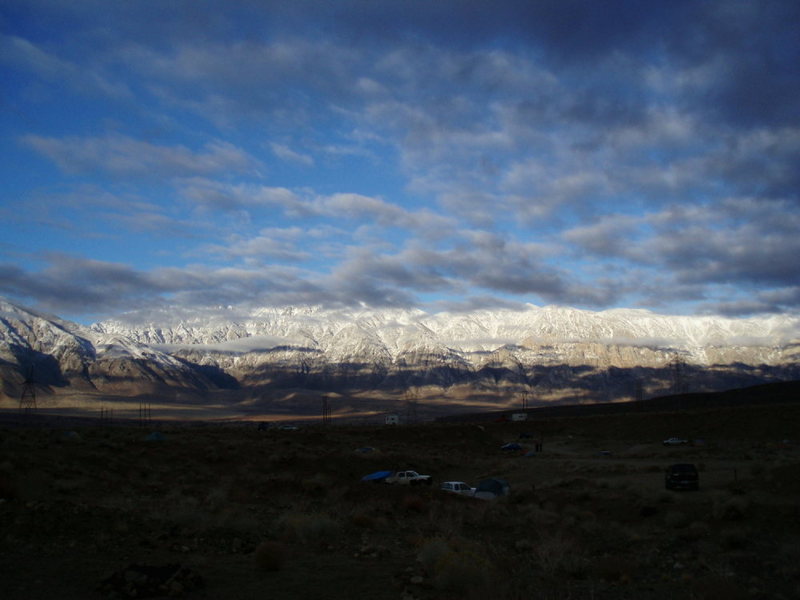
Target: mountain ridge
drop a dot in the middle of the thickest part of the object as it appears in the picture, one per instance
(549, 353)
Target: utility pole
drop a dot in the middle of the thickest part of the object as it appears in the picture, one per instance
(638, 390)
(144, 413)
(27, 400)
(411, 407)
(326, 411)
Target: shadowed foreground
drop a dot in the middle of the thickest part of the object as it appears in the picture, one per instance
(282, 514)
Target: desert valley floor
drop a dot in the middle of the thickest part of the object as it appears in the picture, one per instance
(213, 511)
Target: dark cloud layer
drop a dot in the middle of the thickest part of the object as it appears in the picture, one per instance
(560, 151)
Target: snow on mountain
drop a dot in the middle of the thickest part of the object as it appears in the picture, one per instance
(385, 334)
(57, 352)
(556, 350)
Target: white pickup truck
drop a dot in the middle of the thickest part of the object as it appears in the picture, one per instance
(409, 478)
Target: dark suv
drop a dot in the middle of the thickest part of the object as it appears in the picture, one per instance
(682, 477)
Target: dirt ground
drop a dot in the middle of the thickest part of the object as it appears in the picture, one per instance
(213, 511)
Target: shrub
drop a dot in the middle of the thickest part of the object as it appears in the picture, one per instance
(731, 509)
(431, 551)
(715, 587)
(8, 490)
(614, 568)
(456, 569)
(695, 531)
(462, 571)
(317, 485)
(217, 498)
(363, 520)
(676, 519)
(736, 538)
(556, 554)
(270, 556)
(308, 527)
(414, 503)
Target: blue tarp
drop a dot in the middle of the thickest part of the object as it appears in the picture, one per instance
(377, 476)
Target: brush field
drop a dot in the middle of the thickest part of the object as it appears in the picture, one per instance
(227, 511)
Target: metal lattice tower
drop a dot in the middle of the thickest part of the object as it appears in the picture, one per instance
(144, 413)
(106, 415)
(678, 367)
(326, 411)
(638, 391)
(27, 400)
(411, 407)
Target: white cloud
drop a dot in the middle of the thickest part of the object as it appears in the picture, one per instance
(285, 153)
(126, 156)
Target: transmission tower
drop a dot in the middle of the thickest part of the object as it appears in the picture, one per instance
(678, 368)
(27, 400)
(411, 407)
(638, 391)
(326, 411)
(144, 413)
(524, 401)
(106, 415)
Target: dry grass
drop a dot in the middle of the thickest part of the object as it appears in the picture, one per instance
(246, 508)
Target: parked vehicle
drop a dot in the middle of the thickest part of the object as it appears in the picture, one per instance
(409, 478)
(682, 476)
(457, 487)
(675, 441)
(492, 488)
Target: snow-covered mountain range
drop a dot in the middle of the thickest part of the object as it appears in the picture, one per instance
(551, 353)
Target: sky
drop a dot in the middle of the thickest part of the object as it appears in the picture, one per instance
(448, 155)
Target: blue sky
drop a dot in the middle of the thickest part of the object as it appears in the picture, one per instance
(442, 155)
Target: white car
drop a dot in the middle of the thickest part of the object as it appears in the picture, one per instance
(409, 478)
(674, 441)
(457, 487)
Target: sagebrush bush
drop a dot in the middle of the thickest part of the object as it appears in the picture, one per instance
(364, 520)
(736, 538)
(8, 490)
(270, 556)
(675, 519)
(431, 551)
(735, 508)
(557, 554)
(308, 527)
(455, 566)
(614, 568)
(216, 498)
(317, 485)
(462, 571)
(414, 503)
(695, 531)
(716, 587)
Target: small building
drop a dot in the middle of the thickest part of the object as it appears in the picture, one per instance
(519, 417)
(392, 420)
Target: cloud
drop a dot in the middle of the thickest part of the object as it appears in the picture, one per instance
(285, 153)
(91, 287)
(609, 236)
(269, 246)
(217, 195)
(125, 156)
(557, 151)
(26, 55)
